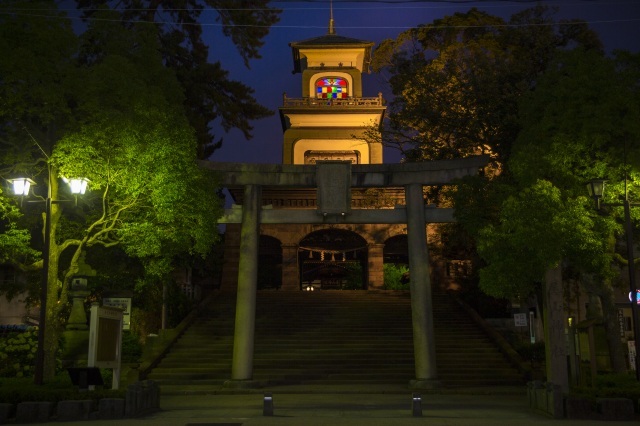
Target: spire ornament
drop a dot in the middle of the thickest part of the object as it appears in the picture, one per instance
(332, 30)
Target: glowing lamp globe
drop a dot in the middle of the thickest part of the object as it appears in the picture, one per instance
(21, 186)
(78, 185)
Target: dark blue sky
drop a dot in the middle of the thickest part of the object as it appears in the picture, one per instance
(617, 22)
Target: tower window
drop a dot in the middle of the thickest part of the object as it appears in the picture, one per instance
(332, 88)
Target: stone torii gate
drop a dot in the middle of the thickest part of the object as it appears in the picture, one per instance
(334, 180)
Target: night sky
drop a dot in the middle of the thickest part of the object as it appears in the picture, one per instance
(617, 22)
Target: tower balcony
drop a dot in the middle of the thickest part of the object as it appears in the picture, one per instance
(324, 103)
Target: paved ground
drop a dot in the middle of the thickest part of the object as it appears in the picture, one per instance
(353, 406)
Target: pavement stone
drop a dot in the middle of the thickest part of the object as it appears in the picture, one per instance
(348, 405)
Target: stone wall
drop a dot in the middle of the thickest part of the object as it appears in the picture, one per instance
(141, 398)
(549, 399)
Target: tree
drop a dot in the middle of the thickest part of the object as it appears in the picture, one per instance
(468, 84)
(210, 96)
(15, 242)
(539, 227)
(578, 124)
(457, 82)
(118, 119)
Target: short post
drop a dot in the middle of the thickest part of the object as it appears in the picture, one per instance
(416, 405)
(267, 408)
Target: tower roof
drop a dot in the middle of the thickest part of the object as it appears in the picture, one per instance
(330, 42)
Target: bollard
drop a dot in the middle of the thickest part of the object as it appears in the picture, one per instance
(416, 405)
(267, 409)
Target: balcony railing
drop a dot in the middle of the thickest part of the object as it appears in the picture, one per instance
(316, 102)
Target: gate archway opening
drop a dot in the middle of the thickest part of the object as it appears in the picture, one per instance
(396, 250)
(396, 263)
(333, 259)
(269, 263)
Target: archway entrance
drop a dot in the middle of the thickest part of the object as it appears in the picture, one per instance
(396, 250)
(333, 259)
(269, 263)
(396, 263)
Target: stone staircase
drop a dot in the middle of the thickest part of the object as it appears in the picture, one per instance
(332, 338)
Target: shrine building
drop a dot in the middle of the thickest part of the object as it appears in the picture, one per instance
(327, 123)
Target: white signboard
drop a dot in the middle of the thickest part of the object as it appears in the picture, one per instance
(520, 320)
(105, 340)
(632, 353)
(123, 303)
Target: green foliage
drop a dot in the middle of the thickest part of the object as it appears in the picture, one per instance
(538, 227)
(576, 126)
(126, 130)
(37, 53)
(15, 245)
(18, 354)
(621, 385)
(457, 81)
(135, 144)
(211, 96)
(131, 347)
(60, 388)
(471, 84)
(576, 123)
(101, 105)
(146, 321)
(393, 275)
(107, 377)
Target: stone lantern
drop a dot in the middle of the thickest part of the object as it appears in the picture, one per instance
(79, 292)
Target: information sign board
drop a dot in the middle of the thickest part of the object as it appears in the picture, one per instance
(105, 340)
(123, 303)
(520, 320)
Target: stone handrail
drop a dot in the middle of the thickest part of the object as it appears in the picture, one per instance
(316, 102)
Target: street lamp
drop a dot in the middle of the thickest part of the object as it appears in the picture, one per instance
(21, 188)
(77, 185)
(596, 191)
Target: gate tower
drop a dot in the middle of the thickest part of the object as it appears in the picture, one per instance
(328, 122)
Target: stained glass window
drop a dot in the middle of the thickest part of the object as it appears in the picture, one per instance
(332, 88)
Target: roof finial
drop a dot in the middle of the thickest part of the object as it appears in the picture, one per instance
(332, 30)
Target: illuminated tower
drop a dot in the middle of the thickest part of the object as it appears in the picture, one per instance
(328, 121)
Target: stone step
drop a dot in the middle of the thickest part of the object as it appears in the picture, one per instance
(346, 368)
(445, 361)
(332, 337)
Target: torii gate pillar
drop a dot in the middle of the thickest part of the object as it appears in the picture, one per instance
(424, 348)
(243, 340)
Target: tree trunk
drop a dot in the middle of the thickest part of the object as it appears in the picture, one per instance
(554, 325)
(54, 304)
(612, 329)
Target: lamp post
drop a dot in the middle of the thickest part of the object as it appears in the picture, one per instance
(596, 191)
(21, 187)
